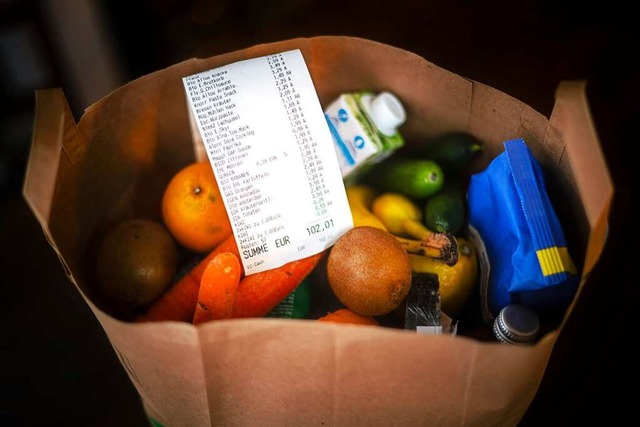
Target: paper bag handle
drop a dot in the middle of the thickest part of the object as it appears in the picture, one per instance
(571, 117)
(56, 139)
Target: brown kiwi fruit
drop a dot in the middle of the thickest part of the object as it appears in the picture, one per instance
(136, 261)
(369, 271)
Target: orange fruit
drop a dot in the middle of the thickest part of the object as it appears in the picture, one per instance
(344, 315)
(136, 261)
(193, 209)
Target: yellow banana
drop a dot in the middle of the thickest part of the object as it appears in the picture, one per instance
(441, 247)
(402, 217)
(456, 282)
(360, 198)
(398, 213)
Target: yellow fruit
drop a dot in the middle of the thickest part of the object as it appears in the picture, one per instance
(360, 198)
(457, 282)
(396, 211)
(402, 217)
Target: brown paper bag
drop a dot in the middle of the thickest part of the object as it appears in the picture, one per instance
(115, 162)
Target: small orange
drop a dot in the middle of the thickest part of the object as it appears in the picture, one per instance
(344, 315)
(193, 209)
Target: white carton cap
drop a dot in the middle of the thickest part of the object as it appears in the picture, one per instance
(386, 112)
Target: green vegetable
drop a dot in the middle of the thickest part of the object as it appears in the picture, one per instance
(415, 178)
(453, 151)
(445, 211)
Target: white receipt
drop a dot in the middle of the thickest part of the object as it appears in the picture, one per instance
(271, 151)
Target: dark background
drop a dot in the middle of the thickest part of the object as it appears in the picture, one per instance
(56, 364)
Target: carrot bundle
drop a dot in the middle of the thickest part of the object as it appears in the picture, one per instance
(255, 295)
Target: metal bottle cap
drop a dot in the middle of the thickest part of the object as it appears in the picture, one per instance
(516, 324)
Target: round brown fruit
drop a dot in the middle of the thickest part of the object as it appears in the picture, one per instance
(369, 271)
(136, 260)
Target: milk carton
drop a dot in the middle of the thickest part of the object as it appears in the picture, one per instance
(364, 127)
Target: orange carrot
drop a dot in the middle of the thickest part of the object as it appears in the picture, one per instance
(345, 315)
(259, 293)
(179, 301)
(218, 288)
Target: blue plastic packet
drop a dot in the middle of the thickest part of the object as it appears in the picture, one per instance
(523, 240)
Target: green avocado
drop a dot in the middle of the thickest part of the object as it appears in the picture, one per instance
(453, 151)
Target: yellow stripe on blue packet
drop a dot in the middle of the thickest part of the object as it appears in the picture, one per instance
(525, 244)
